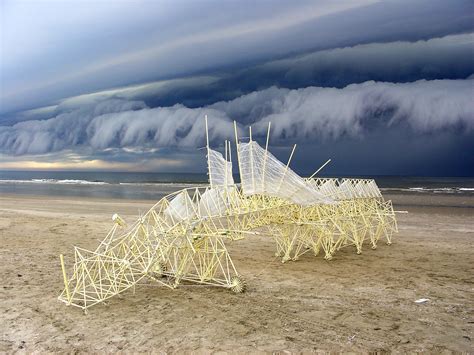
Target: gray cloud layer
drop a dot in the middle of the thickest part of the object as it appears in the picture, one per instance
(302, 115)
(448, 57)
(424, 106)
(79, 47)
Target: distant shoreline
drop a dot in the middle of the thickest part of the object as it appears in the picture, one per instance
(130, 186)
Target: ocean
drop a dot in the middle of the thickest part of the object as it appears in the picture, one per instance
(153, 186)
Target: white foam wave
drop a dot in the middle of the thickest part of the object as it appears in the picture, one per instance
(163, 183)
(53, 181)
(436, 190)
(88, 182)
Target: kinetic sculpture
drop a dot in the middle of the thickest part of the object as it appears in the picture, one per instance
(183, 237)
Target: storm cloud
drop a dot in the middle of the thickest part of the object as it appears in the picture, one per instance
(448, 57)
(302, 114)
(439, 58)
(50, 53)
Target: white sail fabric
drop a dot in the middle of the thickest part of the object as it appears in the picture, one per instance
(358, 188)
(346, 190)
(329, 188)
(262, 173)
(220, 170)
(364, 189)
(375, 189)
(213, 203)
(180, 208)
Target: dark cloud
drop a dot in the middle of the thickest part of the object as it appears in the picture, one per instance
(394, 151)
(66, 130)
(313, 112)
(301, 115)
(178, 43)
(440, 58)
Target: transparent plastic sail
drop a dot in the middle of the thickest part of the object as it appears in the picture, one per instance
(262, 173)
(220, 170)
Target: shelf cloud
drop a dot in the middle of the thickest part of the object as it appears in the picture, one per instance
(302, 114)
(51, 53)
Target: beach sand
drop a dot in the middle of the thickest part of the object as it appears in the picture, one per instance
(352, 303)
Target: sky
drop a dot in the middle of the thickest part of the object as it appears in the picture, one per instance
(380, 87)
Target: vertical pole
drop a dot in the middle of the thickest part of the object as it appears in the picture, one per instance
(230, 160)
(238, 155)
(66, 286)
(225, 164)
(251, 159)
(207, 147)
(265, 158)
(286, 168)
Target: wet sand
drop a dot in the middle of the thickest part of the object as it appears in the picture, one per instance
(352, 303)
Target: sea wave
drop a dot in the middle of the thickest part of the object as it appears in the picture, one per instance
(163, 183)
(89, 182)
(436, 190)
(53, 181)
(187, 184)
